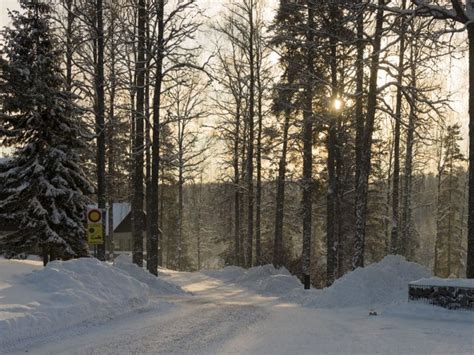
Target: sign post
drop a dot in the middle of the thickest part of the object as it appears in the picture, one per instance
(95, 230)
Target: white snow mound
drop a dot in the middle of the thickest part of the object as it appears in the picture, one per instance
(380, 283)
(64, 294)
(156, 284)
(264, 279)
(268, 280)
(228, 274)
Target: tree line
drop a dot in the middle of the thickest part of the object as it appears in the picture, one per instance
(320, 121)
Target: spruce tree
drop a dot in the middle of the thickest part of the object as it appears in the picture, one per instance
(449, 251)
(44, 185)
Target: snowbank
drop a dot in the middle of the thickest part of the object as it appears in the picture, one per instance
(380, 283)
(68, 293)
(269, 281)
(264, 279)
(229, 273)
(156, 284)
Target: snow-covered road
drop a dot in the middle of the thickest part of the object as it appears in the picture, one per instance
(225, 318)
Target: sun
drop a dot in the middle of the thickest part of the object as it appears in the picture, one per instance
(338, 104)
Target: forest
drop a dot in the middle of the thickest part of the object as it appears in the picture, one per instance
(318, 135)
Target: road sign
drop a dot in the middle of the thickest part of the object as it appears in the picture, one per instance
(95, 236)
(95, 230)
(94, 215)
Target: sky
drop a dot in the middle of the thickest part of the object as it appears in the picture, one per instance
(4, 5)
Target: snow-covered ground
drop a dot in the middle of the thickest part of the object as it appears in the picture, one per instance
(262, 311)
(37, 301)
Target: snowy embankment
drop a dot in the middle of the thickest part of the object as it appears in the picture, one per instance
(36, 300)
(381, 283)
(381, 286)
(157, 285)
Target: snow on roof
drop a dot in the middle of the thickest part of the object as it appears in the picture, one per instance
(438, 282)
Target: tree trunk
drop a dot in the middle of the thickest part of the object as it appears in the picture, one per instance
(137, 203)
(155, 169)
(359, 104)
(258, 214)
(69, 46)
(438, 207)
(198, 226)
(237, 221)
(179, 241)
(45, 255)
(387, 225)
(331, 245)
(251, 138)
(243, 178)
(149, 248)
(407, 189)
(332, 189)
(307, 180)
(450, 216)
(111, 143)
(396, 155)
(470, 234)
(161, 210)
(99, 117)
(278, 255)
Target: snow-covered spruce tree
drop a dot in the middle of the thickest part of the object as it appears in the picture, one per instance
(44, 186)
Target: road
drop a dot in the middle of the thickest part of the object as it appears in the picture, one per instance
(222, 318)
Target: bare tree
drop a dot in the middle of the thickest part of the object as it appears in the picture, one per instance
(461, 12)
(186, 110)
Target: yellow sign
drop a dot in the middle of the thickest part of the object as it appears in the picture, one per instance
(95, 233)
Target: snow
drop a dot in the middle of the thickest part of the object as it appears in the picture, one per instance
(269, 281)
(229, 273)
(264, 310)
(36, 301)
(436, 281)
(158, 285)
(425, 311)
(380, 283)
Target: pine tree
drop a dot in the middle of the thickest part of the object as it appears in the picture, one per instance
(45, 187)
